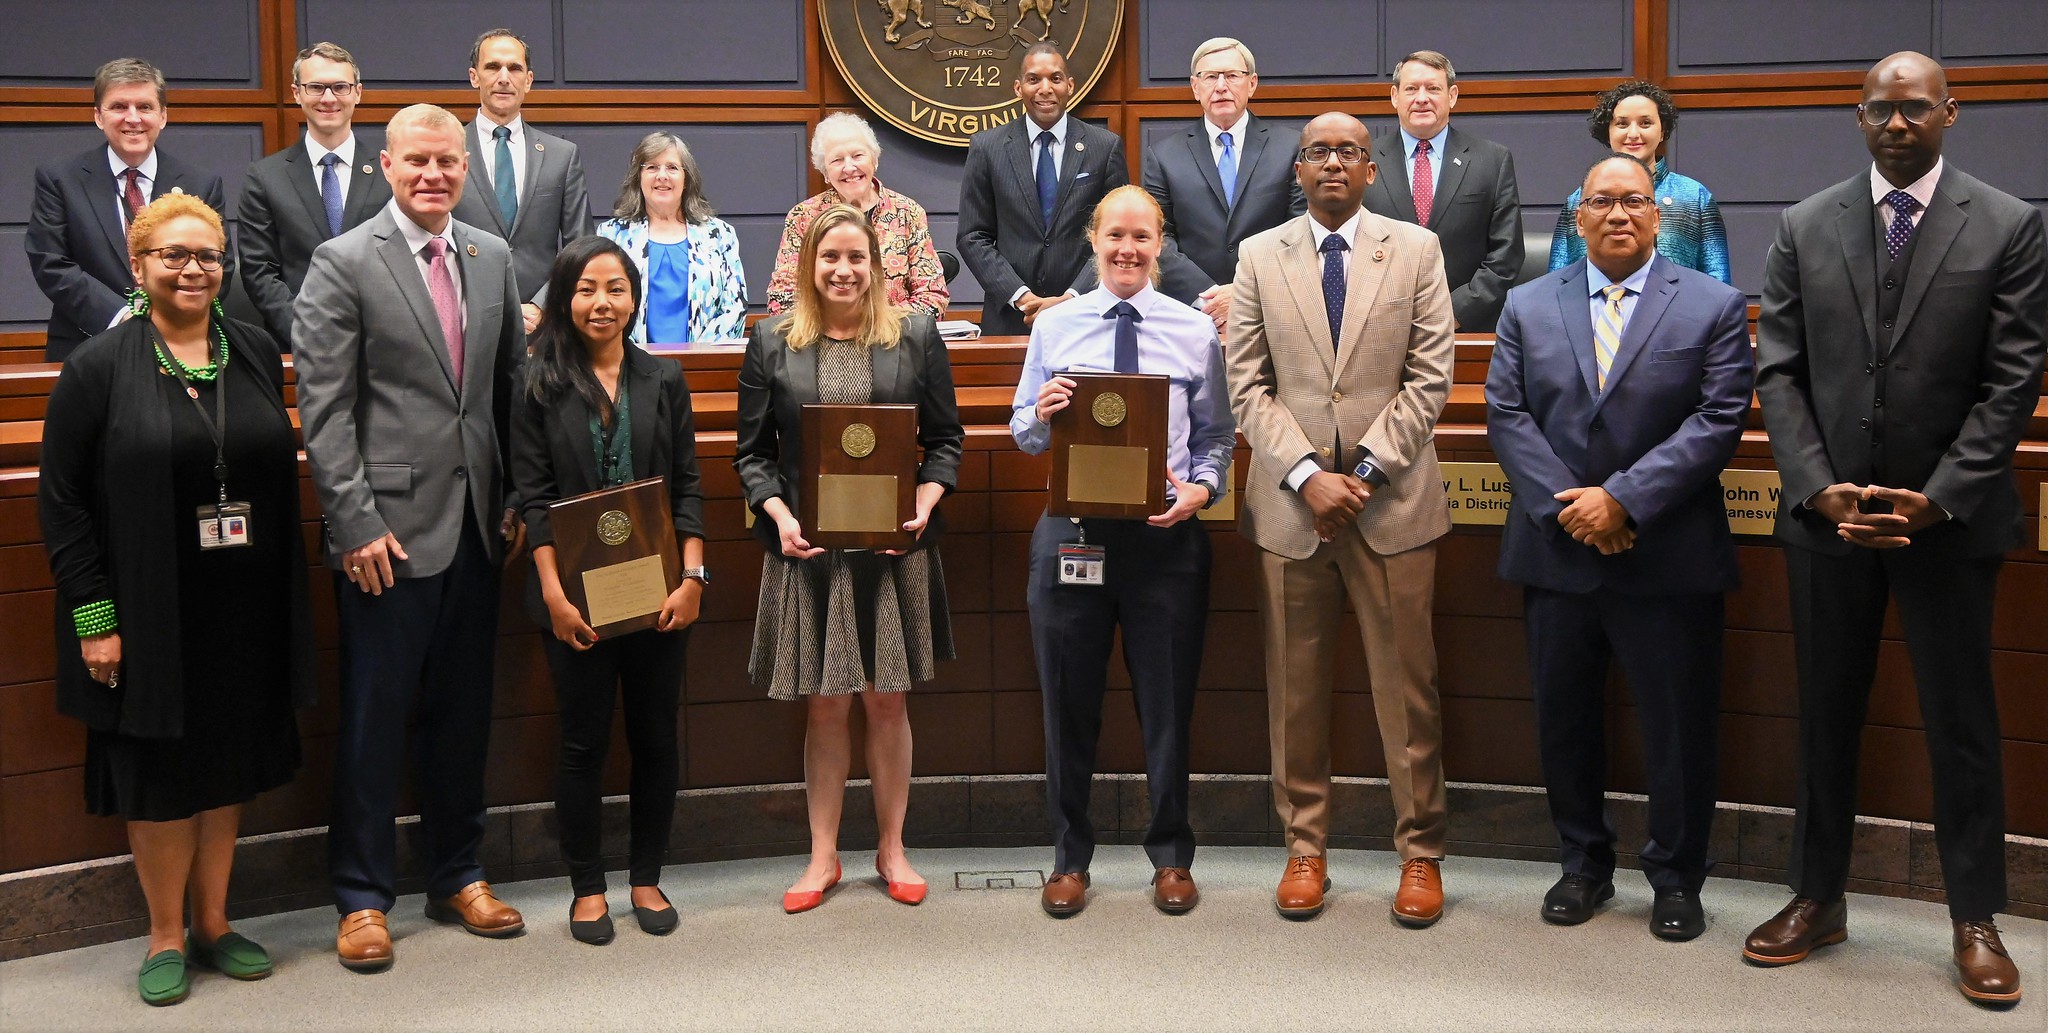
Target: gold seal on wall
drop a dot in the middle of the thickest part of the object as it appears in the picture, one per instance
(1109, 408)
(942, 70)
(614, 527)
(857, 440)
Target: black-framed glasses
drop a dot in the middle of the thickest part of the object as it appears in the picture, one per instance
(338, 89)
(1634, 204)
(1232, 76)
(1918, 112)
(1319, 154)
(174, 257)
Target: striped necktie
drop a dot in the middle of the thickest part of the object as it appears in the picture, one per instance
(1607, 330)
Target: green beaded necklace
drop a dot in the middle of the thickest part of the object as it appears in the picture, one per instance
(206, 374)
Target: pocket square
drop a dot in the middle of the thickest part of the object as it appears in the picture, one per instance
(1080, 175)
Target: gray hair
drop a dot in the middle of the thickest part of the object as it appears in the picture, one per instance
(1219, 44)
(842, 122)
(632, 204)
(124, 71)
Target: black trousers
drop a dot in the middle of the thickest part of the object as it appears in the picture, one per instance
(644, 668)
(423, 648)
(1669, 647)
(1945, 604)
(1157, 589)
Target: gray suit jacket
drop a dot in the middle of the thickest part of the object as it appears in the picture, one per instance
(282, 219)
(394, 443)
(1002, 238)
(1936, 404)
(554, 209)
(1477, 214)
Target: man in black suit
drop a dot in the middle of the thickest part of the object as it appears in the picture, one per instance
(1899, 354)
(1207, 217)
(78, 226)
(525, 186)
(1026, 194)
(1455, 184)
(310, 192)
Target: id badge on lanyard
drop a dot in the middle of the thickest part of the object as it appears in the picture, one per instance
(1082, 563)
(223, 524)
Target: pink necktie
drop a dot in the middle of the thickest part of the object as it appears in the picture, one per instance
(1423, 184)
(441, 284)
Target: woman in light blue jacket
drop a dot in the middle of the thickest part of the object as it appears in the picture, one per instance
(689, 260)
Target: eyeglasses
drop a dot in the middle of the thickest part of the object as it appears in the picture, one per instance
(1319, 154)
(673, 170)
(174, 257)
(1230, 76)
(1879, 112)
(338, 89)
(1634, 204)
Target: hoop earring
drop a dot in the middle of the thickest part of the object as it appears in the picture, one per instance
(138, 302)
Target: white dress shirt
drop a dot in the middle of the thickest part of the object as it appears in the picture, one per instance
(1922, 190)
(147, 184)
(1059, 149)
(342, 175)
(416, 237)
(1236, 137)
(484, 128)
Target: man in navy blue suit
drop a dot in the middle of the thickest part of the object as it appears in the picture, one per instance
(1616, 396)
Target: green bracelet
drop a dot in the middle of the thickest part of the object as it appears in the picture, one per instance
(95, 618)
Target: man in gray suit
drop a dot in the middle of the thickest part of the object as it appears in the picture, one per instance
(526, 186)
(1456, 185)
(309, 193)
(407, 339)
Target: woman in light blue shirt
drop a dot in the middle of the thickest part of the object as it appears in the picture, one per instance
(1637, 118)
(689, 260)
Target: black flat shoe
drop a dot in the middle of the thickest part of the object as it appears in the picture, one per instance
(597, 932)
(656, 922)
(1574, 899)
(1677, 915)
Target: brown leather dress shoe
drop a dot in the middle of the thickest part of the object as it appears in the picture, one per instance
(1065, 894)
(1420, 900)
(363, 944)
(1174, 892)
(1988, 974)
(478, 910)
(1794, 932)
(1301, 887)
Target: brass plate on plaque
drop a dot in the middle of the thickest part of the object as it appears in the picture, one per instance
(623, 591)
(942, 70)
(858, 440)
(1109, 409)
(856, 502)
(1116, 474)
(614, 527)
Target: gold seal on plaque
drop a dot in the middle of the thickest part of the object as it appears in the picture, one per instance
(1109, 409)
(614, 527)
(857, 440)
(941, 70)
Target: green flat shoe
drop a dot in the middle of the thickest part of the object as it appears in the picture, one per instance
(234, 955)
(162, 979)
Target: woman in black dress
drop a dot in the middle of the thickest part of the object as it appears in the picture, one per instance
(169, 497)
(598, 412)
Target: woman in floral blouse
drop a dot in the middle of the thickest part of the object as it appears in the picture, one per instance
(844, 150)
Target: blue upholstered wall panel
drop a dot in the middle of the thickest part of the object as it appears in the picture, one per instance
(405, 42)
(1513, 38)
(1346, 35)
(211, 44)
(2000, 30)
(1723, 36)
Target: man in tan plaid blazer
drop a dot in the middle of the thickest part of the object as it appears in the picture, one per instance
(1339, 352)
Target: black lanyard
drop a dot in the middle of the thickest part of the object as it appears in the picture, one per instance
(217, 424)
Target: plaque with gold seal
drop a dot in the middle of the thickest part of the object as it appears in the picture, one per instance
(616, 554)
(941, 70)
(1109, 447)
(857, 476)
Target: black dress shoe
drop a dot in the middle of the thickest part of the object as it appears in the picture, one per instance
(656, 921)
(1574, 899)
(597, 932)
(1677, 915)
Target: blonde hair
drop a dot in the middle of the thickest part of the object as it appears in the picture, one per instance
(1128, 190)
(880, 322)
(420, 116)
(1217, 45)
(153, 215)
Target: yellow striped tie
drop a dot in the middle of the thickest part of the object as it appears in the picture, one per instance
(1607, 330)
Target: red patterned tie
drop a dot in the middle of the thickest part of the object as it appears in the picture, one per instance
(441, 284)
(1423, 184)
(133, 195)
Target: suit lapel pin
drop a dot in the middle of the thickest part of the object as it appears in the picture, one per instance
(367, 169)
(1457, 161)
(540, 147)
(472, 251)
(1379, 254)
(1079, 146)
(177, 190)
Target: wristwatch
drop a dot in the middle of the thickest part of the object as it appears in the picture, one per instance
(702, 574)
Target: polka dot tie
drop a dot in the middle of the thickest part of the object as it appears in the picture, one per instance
(1901, 229)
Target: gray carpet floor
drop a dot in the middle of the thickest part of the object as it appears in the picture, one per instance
(988, 959)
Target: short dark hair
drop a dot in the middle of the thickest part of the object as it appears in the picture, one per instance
(1602, 115)
(1620, 156)
(125, 71)
(476, 50)
(1035, 49)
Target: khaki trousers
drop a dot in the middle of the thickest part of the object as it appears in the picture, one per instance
(1303, 606)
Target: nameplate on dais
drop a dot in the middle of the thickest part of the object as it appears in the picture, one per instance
(1477, 493)
(1752, 500)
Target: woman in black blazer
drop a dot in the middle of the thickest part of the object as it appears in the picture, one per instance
(835, 624)
(596, 413)
(184, 636)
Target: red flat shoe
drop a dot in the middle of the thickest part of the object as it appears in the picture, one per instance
(795, 903)
(912, 893)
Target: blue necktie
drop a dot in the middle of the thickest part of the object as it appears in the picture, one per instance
(1127, 320)
(1226, 169)
(1333, 284)
(330, 193)
(503, 179)
(1048, 180)
(1901, 229)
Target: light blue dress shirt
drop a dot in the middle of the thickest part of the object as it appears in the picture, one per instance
(1597, 281)
(1436, 159)
(1173, 339)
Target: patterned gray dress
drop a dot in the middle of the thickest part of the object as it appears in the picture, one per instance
(829, 625)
